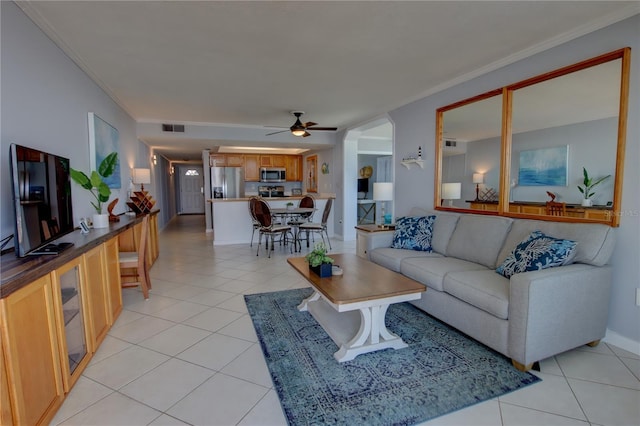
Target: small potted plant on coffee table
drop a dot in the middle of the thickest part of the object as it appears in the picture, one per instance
(319, 262)
(289, 205)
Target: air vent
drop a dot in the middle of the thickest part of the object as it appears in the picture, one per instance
(450, 143)
(175, 128)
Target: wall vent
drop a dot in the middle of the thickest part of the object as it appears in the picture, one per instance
(450, 143)
(175, 128)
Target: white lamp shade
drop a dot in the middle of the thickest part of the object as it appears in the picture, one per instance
(478, 178)
(451, 191)
(141, 176)
(383, 191)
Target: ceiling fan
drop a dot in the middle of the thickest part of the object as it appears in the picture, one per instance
(302, 129)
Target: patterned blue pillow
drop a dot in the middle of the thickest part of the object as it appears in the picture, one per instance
(413, 233)
(538, 251)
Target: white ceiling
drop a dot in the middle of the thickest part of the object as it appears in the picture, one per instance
(247, 64)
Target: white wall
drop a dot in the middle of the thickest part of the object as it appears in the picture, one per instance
(45, 101)
(415, 125)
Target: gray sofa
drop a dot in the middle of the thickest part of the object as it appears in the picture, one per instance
(529, 317)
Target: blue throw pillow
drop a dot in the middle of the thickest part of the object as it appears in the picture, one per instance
(538, 251)
(413, 233)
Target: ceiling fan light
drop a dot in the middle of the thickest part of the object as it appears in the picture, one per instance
(298, 132)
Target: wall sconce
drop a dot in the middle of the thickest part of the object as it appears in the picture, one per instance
(478, 178)
(155, 160)
(451, 191)
(172, 171)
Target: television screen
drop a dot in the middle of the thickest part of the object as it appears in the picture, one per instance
(41, 198)
(363, 185)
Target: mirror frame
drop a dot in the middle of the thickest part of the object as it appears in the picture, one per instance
(624, 55)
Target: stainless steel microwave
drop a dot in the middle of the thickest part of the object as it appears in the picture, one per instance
(273, 174)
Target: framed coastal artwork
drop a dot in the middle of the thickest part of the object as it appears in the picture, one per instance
(544, 167)
(103, 140)
(312, 173)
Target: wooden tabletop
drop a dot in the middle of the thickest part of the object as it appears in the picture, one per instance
(361, 280)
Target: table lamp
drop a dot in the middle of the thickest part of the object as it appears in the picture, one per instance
(478, 178)
(141, 176)
(383, 191)
(451, 191)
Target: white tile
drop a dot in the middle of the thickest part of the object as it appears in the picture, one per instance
(607, 405)
(154, 303)
(242, 328)
(83, 394)
(110, 346)
(237, 286)
(633, 365)
(167, 384)
(221, 400)
(174, 340)
(126, 316)
(236, 303)
(213, 319)
(250, 366)
(211, 297)
(215, 351)
(622, 353)
(485, 413)
(185, 292)
(599, 368)
(141, 329)
(517, 416)
(124, 367)
(115, 409)
(266, 412)
(165, 420)
(552, 395)
(180, 311)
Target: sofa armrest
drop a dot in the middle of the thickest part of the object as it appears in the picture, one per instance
(557, 309)
(379, 239)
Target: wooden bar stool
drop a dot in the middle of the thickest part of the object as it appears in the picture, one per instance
(138, 260)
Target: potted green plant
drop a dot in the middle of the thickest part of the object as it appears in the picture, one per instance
(589, 183)
(318, 261)
(97, 187)
(289, 205)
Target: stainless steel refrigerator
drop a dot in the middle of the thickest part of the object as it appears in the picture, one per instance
(227, 182)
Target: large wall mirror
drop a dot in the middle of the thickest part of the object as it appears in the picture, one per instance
(554, 127)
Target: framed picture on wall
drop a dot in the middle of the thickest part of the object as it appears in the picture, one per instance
(544, 167)
(312, 173)
(103, 140)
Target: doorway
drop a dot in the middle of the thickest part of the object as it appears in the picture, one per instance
(191, 189)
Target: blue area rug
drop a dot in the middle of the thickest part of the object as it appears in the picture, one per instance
(441, 371)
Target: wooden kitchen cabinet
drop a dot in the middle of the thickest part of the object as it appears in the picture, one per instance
(279, 161)
(252, 167)
(234, 160)
(31, 354)
(266, 161)
(217, 160)
(114, 288)
(294, 168)
(97, 296)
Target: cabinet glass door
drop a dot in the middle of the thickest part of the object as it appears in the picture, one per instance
(73, 317)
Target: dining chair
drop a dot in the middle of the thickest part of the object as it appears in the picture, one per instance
(267, 226)
(554, 208)
(138, 260)
(252, 213)
(311, 227)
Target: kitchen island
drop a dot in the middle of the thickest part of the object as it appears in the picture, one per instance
(232, 223)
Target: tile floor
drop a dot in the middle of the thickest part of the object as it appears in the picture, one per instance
(189, 355)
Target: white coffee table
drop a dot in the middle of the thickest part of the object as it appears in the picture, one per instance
(351, 307)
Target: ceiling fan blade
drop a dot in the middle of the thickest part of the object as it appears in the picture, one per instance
(275, 133)
(306, 134)
(309, 124)
(333, 129)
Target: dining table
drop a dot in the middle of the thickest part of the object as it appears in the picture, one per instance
(293, 217)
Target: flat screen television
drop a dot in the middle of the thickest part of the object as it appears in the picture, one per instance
(41, 187)
(363, 185)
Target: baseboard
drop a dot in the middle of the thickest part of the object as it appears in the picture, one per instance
(622, 342)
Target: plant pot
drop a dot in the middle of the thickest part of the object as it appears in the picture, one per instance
(587, 202)
(100, 221)
(322, 270)
(290, 207)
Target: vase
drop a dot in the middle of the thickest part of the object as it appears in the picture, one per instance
(587, 202)
(100, 221)
(323, 270)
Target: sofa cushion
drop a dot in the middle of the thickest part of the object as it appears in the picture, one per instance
(443, 227)
(483, 289)
(431, 271)
(595, 240)
(538, 251)
(413, 233)
(479, 238)
(391, 258)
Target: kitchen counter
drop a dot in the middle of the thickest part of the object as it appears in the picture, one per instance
(232, 223)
